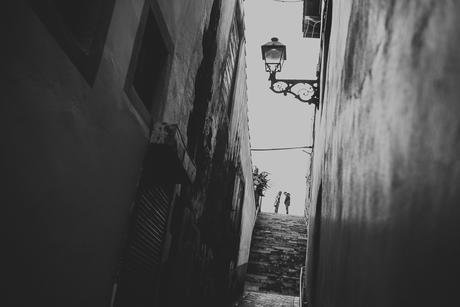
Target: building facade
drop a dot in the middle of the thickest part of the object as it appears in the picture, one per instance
(384, 214)
(125, 152)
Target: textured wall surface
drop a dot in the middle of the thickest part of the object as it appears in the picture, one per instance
(71, 158)
(248, 216)
(277, 253)
(387, 157)
(73, 150)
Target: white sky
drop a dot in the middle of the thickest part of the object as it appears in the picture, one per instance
(276, 120)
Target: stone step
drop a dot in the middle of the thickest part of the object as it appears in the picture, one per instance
(262, 268)
(270, 279)
(278, 250)
(256, 299)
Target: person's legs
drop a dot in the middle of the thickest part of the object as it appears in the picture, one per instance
(287, 210)
(276, 209)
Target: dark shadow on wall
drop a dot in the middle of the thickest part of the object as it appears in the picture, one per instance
(313, 253)
(316, 245)
(80, 27)
(204, 82)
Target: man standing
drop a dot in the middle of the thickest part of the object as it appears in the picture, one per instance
(287, 201)
(277, 201)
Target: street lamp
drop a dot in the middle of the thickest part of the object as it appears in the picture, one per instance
(274, 55)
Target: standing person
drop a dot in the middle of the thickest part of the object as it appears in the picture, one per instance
(277, 201)
(287, 201)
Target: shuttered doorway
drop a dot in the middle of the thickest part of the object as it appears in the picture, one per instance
(138, 280)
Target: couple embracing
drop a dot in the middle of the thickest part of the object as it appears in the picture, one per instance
(287, 201)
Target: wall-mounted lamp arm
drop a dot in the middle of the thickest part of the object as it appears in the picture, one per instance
(304, 90)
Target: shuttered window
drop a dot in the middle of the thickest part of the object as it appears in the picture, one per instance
(140, 266)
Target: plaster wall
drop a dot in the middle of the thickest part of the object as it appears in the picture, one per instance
(386, 157)
(249, 210)
(223, 152)
(202, 269)
(71, 157)
(72, 151)
(241, 134)
(186, 21)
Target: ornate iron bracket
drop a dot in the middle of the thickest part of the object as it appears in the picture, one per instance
(304, 90)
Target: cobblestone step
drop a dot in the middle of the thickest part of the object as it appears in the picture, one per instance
(277, 252)
(260, 299)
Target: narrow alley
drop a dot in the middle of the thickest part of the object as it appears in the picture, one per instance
(230, 153)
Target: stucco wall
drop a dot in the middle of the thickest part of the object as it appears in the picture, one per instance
(186, 22)
(248, 216)
(222, 152)
(72, 151)
(71, 156)
(387, 156)
(249, 210)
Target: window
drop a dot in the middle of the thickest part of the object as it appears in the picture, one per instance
(312, 18)
(139, 275)
(80, 27)
(151, 61)
(147, 74)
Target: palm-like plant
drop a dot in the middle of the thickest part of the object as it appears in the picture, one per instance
(260, 181)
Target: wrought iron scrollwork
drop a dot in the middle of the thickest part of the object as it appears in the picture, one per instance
(304, 90)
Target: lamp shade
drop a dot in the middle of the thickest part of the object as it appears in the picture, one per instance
(274, 54)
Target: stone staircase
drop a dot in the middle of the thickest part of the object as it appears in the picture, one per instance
(259, 299)
(278, 250)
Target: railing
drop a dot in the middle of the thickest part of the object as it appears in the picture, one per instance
(302, 270)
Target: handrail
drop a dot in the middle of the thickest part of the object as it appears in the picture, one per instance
(301, 286)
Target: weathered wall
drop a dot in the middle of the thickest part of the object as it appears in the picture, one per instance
(186, 22)
(71, 156)
(387, 157)
(72, 153)
(206, 233)
(241, 136)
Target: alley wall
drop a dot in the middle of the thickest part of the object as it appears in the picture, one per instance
(242, 139)
(86, 116)
(384, 217)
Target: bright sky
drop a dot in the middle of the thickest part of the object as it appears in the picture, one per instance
(276, 120)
